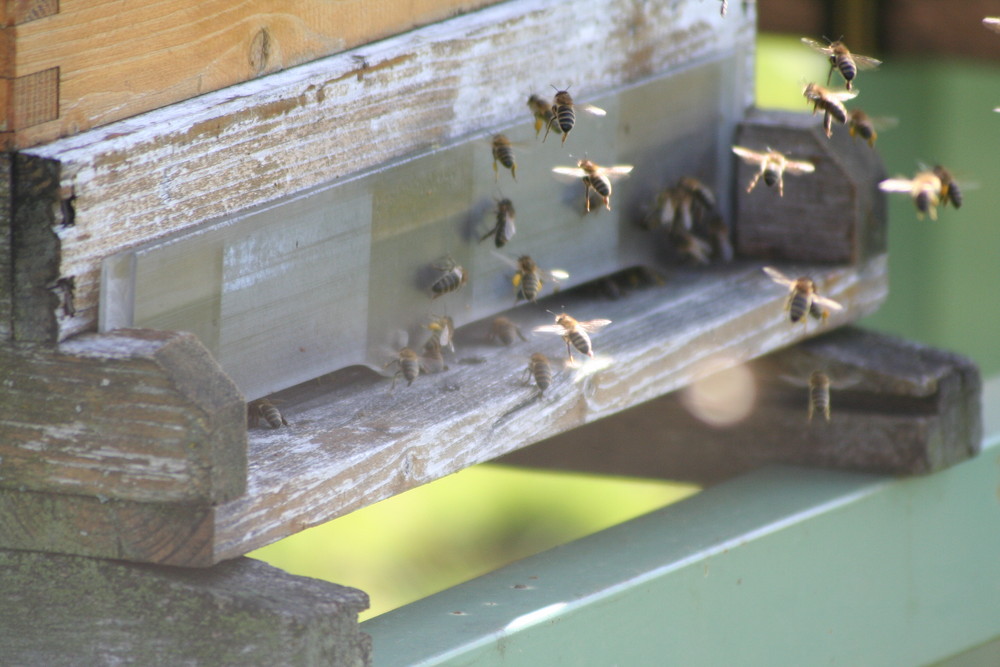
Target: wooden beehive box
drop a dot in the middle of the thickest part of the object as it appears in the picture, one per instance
(280, 235)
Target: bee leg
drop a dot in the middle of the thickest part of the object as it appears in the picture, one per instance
(781, 186)
(753, 181)
(496, 172)
(586, 195)
(548, 126)
(607, 203)
(513, 171)
(811, 409)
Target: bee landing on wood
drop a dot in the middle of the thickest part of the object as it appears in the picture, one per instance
(830, 102)
(842, 60)
(803, 299)
(528, 278)
(540, 369)
(595, 178)
(574, 333)
(503, 230)
(453, 278)
(503, 152)
(563, 116)
(503, 330)
(772, 166)
(264, 409)
(409, 367)
(432, 360)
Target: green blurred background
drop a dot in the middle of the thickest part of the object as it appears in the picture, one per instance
(942, 276)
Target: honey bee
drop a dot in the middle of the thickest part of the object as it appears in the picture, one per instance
(803, 299)
(563, 114)
(831, 102)
(443, 330)
(992, 23)
(452, 278)
(504, 331)
(773, 166)
(692, 247)
(860, 124)
(950, 191)
(842, 59)
(503, 153)
(540, 369)
(677, 206)
(409, 366)
(541, 109)
(819, 394)
(595, 177)
(574, 333)
(504, 228)
(528, 278)
(718, 233)
(432, 360)
(925, 188)
(264, 409)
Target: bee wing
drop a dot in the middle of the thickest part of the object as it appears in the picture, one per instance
(826, 302)
(575, 172)
(896, 185)
(750, 156)
(618, 170)
(817, 46)
(509, 261)
(865, 62)
(593, 325)
(551, 328)
(799, 167)
(591, 109)
(992, 23)
(844, 95)
(778, 277)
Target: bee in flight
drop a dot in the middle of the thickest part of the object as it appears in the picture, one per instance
(563, 116)
(264, 409)
(504, 229)
(540, 369)
(803, 299)
(503, 152)
(860, 124)
(950, 192)
(409, 365)
(595, 178)
(528, 278)
(541, 109)
(773, 166)
(504, 331)
(928, 188)
(830, 102)
(452, 278)
(992, 23)
(574, 333)
(819, 394)
(680, 205)
(842, 60)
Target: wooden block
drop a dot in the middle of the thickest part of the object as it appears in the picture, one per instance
(129, 415)
(67, 610)
(897, 407)
(826, 216)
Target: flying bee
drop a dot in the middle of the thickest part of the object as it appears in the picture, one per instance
(564, 116)
(443, 330)
(950, 191)
(992, 23)
(819, 394)
(688, 245)
(842, 60)
(574, 333)
(678, 205)
(409, 365)
(503, 330)
(773, 166)
(452, 278)
(595, 178)
(503, 152)
(504, 228)
(925, 188)
(860, 124)
(528, 278)
(541, 109)
(540, 369)
(718, 234)
(264, 409)
(831, 102)
(432, 360)
(803, 299)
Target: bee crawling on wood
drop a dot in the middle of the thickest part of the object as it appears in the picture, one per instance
(803, 299)
(830, 102)
(504, 331)
(842, 60)
(528, 278)
(264, 409)
(503, 152)
(595, 178)
(409, 365)
(563, 114)
(574, 333)
(540, 369)
(503, 230)
(772, 166)
(432, 360)
(443, 331)
(451, 280)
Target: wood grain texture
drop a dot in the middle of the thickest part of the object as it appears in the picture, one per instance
(130, 415)
(66, 610)
(6, 248)
(825, 216)
(897, 407)
(168, 170)
(118, 61)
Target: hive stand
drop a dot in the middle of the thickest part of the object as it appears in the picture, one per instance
(207, 215)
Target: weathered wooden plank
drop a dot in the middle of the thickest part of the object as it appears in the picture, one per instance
(825, 216)
(171, 169)
(896, 407)
(6, 249)
(157, 53)
(131, 415)
(67, 610)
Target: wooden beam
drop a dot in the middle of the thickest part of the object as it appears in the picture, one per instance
(131, 415)
(897, 407)
(67, 610)
(6, 248)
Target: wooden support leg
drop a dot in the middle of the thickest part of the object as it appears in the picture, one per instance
(72, 610)
(896, 407)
